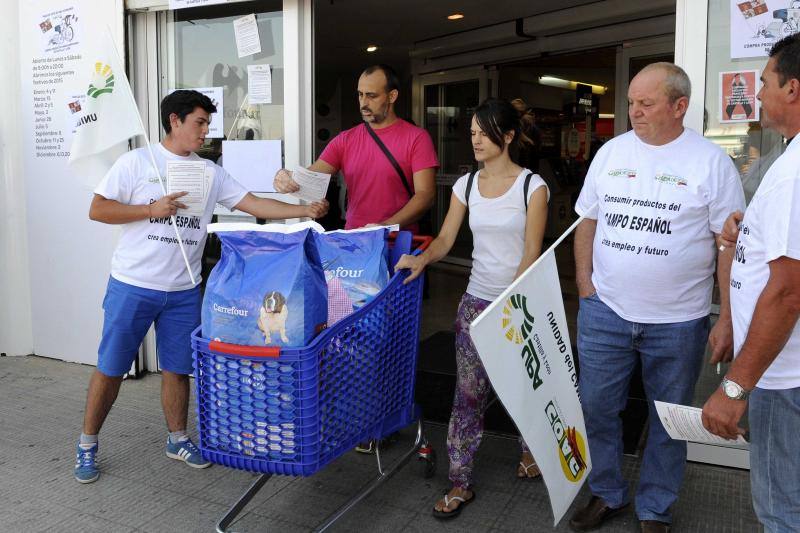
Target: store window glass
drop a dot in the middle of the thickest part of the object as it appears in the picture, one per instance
(203, 54)
(739, 37)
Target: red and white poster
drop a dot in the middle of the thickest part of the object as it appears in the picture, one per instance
(737, 96)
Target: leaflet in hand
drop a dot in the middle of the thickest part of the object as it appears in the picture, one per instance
(685, 423)
(189, 176)
(313, 185)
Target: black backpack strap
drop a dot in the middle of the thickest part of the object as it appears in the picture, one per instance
(525, 189)
(391, 159)
(470, 179)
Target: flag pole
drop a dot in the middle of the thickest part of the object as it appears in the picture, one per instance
(541, 257)
(155, 167)
(558, 241)
(235, 118)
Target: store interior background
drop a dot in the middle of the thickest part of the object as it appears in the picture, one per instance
(407, 38)
(446, 68)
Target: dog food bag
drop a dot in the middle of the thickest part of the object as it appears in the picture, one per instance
(268, 287)
(355, 264)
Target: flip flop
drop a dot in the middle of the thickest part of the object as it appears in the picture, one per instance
(526, 468)
(441, 515)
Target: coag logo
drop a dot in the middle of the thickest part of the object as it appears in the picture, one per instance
(517, 324)
(103, 81)
(622, 173)
(515, 312)
(669, 179)
(571, 445)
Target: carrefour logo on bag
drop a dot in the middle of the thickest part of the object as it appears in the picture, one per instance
(517, 324)
(571, 445)
(103, 81)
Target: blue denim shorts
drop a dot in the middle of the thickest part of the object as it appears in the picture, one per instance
(129, 313)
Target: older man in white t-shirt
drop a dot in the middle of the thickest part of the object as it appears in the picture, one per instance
(765, 303)
(654, 199)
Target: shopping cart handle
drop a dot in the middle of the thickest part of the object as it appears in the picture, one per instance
(422, 242)
(247, 351)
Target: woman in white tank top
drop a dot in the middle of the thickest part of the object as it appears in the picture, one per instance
(507, 209)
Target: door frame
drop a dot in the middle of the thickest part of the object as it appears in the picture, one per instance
(487, 86)
(641, 48)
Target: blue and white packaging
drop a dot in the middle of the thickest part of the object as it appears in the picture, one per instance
(268, 287)
(358, 260)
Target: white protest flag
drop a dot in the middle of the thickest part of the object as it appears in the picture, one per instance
(523, 342)
(108, 120)
(108, 117)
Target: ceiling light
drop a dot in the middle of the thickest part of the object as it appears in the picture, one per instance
(552, 81)
(455, 16)
(371, 48)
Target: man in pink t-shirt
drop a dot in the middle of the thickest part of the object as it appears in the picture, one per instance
(375, 190)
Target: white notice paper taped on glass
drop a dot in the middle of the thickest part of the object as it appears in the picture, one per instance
(313, 185)
(189, 176)
(183, 4)
(685, 423)
(259, 84)
(253, 163)
(248, 42)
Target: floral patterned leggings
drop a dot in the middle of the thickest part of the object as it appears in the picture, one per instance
(472, 390)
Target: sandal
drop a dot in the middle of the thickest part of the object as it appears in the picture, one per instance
(526, 469)
(442, 515)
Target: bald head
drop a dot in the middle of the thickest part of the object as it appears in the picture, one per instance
(676, 82)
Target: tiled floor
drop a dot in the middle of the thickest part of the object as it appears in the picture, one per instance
(41, 405)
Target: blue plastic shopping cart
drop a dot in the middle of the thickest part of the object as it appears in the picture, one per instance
(293, 411)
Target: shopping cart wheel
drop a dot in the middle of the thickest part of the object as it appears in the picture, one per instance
(427, 455)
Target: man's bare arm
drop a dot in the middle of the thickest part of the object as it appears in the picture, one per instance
(584, 242)
(420, 203)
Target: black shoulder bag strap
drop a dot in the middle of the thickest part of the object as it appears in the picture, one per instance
(391, 159)
(525, 190)
(470, 179)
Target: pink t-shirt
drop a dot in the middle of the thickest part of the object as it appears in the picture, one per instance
(374, 190)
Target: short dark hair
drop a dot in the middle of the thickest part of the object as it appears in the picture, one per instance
(787, 58)
(496, 117)
(182, 103)
(392, 80)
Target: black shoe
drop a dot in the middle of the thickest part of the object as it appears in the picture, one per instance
(593, 515)
(654, 526)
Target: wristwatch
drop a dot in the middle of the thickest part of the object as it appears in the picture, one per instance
(733, 390)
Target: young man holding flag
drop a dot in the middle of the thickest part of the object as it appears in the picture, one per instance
(150, 282)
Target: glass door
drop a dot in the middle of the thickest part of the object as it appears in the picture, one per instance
(448, 103)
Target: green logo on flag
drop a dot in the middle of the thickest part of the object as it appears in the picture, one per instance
(103, 82)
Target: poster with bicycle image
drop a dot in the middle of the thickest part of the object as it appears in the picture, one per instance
(60, 31)
(758, 24)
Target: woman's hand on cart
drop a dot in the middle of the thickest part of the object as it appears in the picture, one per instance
(415, 263)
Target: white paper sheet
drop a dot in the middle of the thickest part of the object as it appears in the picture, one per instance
(182, 4)
(313, 185)
(248, 42)
(259, 84)
(685, 423)
(189, 176)
(253, 163)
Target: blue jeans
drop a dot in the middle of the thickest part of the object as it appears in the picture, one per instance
(775, 458)
(608, 349)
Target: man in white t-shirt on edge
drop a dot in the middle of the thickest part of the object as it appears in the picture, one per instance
(654, 200)
(149, 283)
(765, 304)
